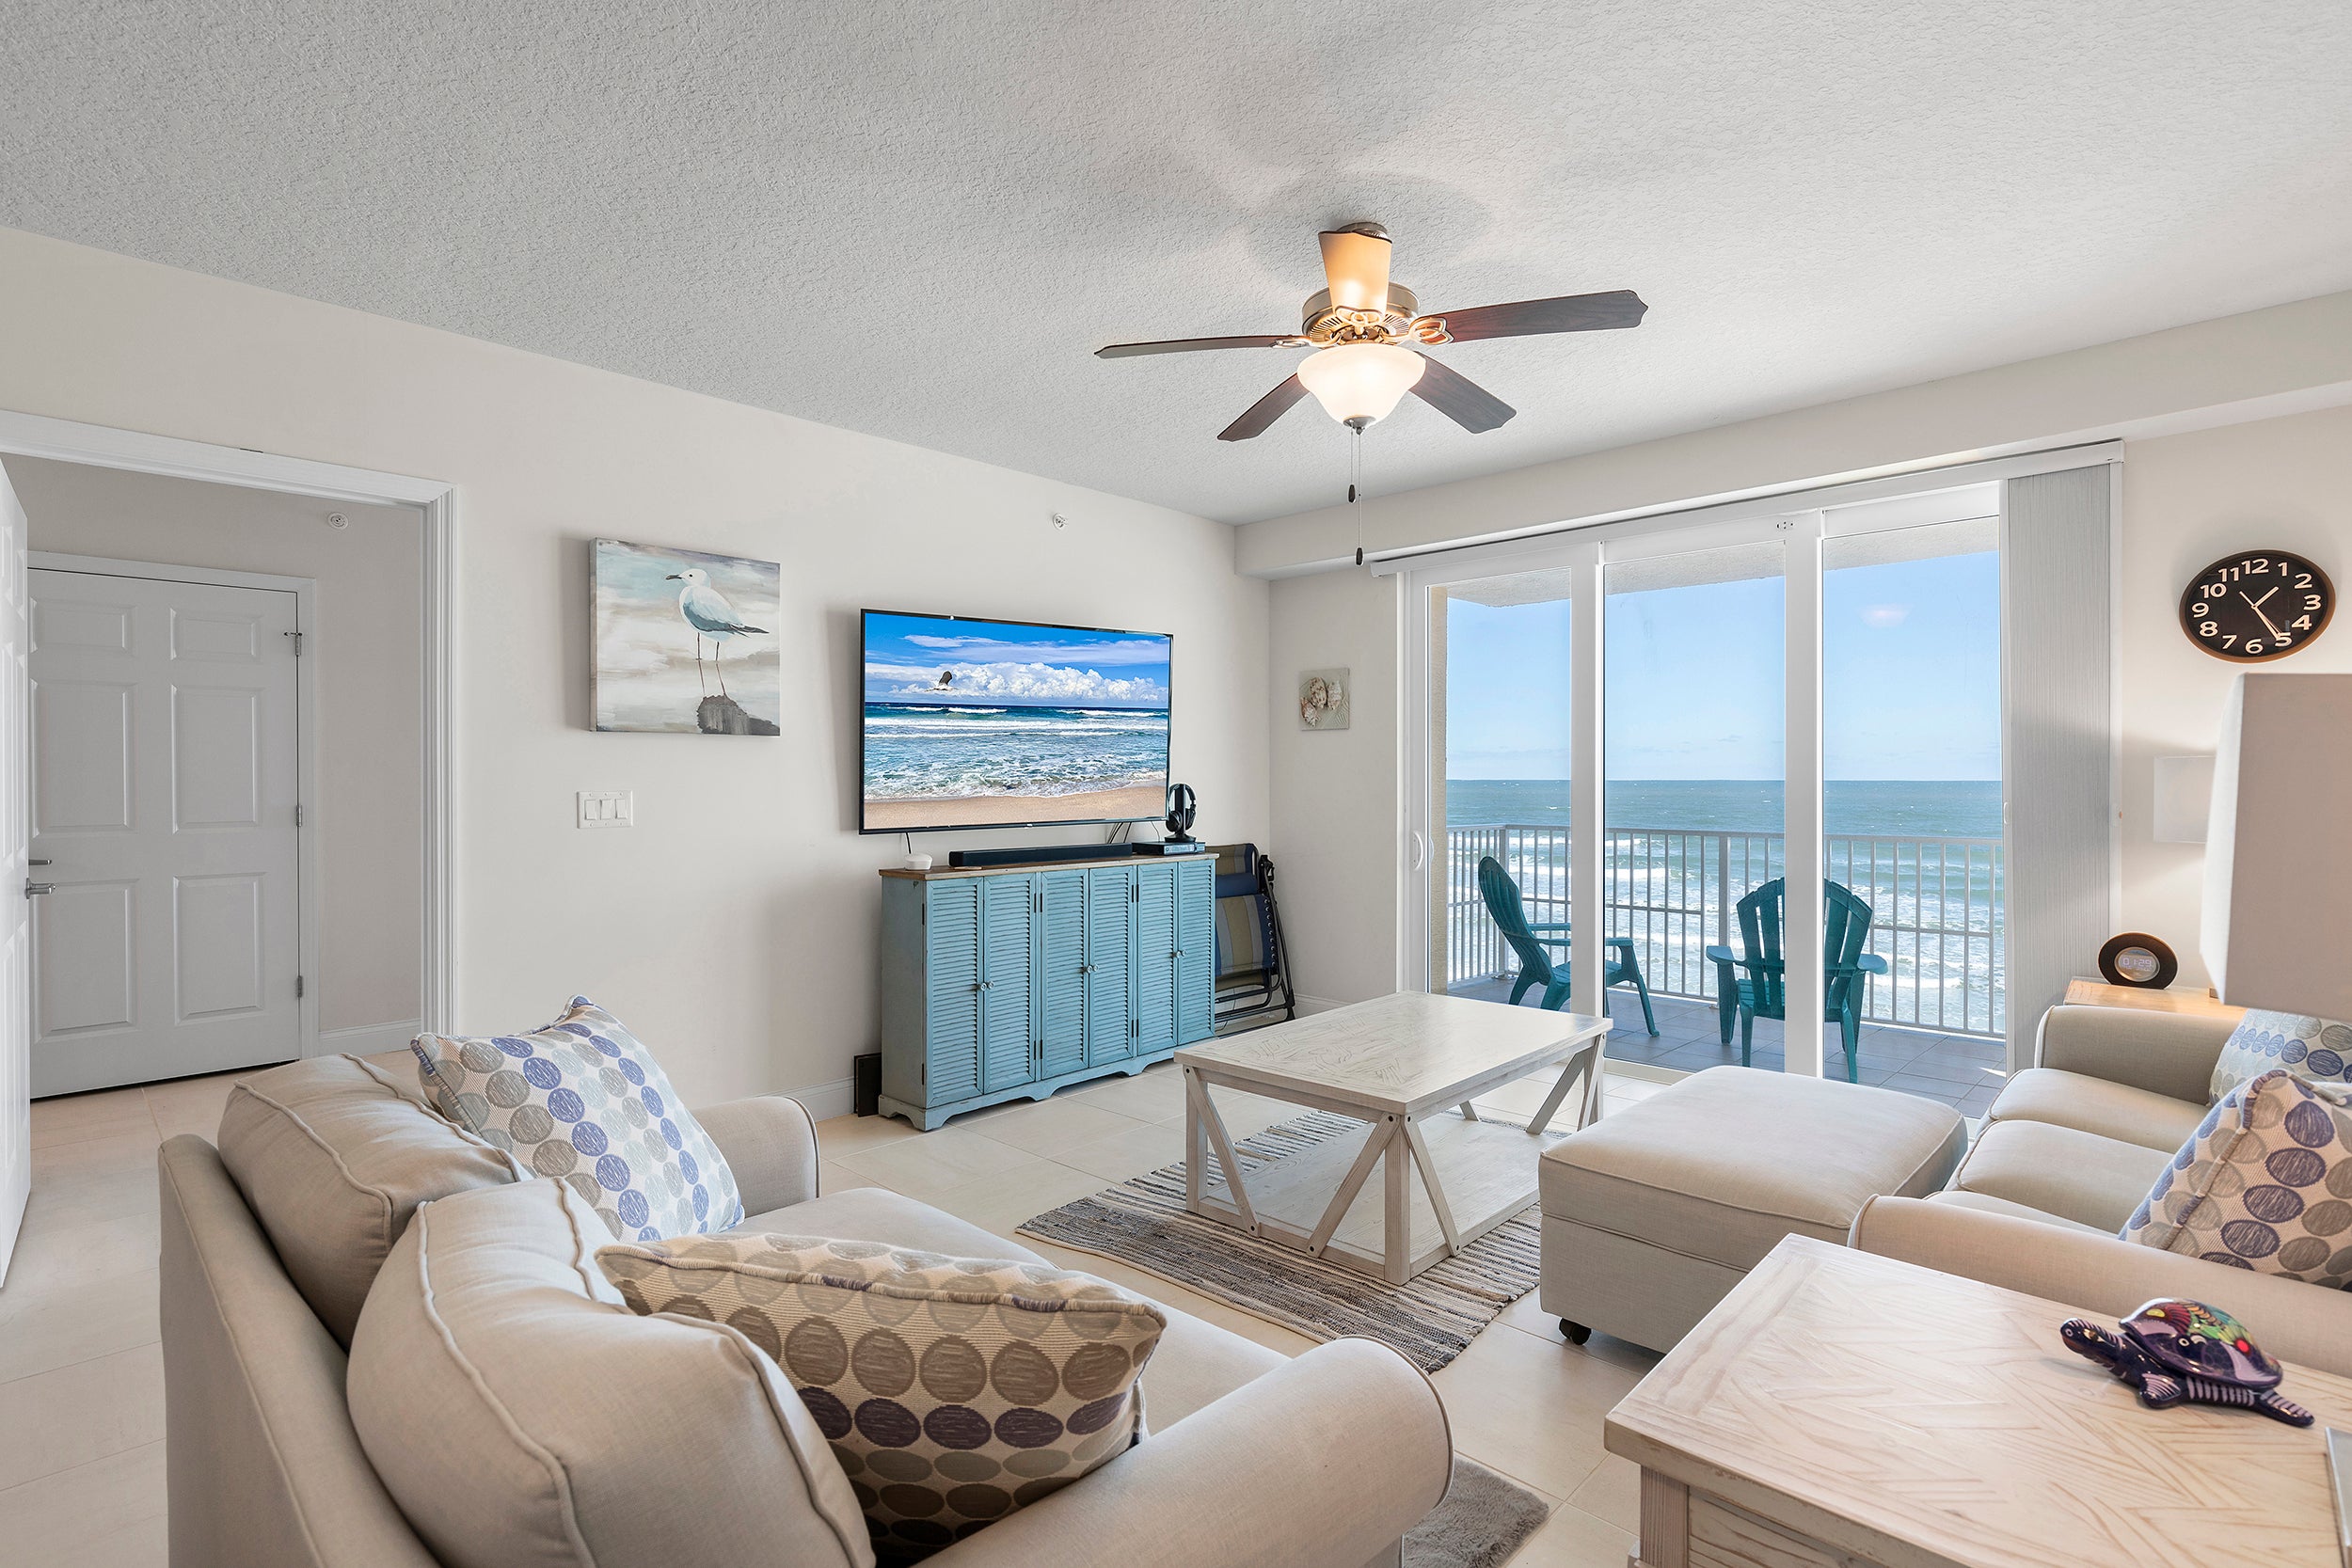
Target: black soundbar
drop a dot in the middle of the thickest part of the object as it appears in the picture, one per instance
(1040, 854)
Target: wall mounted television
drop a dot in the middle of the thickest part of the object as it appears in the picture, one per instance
(970, 723)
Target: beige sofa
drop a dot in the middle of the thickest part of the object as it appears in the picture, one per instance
(1324, 1460)
(2068, 1152)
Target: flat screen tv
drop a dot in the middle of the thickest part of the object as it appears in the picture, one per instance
(979, 724)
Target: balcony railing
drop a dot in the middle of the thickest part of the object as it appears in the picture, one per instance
(1937, 910)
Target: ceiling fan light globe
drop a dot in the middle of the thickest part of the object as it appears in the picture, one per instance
(1360, 381)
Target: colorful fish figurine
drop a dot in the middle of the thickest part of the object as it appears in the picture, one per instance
(2187, 1353)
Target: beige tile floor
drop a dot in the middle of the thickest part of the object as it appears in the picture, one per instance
(81, 1378)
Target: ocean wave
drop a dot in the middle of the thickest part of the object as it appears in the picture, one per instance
(882, 789)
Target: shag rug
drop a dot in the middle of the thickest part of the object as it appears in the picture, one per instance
(1483, 1519)
(1432, 1318)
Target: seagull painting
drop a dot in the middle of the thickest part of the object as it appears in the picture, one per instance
(707, 611)
(730, 604)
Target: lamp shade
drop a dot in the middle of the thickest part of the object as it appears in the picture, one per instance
(1360, 381)
(2277, 927)
(2184, 798)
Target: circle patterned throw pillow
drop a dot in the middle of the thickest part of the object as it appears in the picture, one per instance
(584, 1102)
(954, 1390)
(2264, 1183)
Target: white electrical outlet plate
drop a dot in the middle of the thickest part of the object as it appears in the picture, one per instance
(610, 808)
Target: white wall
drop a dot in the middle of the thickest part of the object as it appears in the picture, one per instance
(366, 663)
(1336, 822)
(736, 925)
(2187, 501)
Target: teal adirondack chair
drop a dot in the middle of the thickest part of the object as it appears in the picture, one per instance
(1535, 966)
(1762, 992)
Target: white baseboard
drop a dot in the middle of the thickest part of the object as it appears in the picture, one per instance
(1309, 1004)
(368, 1039)
(827, 1100)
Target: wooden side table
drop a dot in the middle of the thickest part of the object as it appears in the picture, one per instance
(2081, 992)
(1843, 1409)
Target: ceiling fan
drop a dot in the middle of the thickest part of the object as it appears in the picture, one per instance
(1358, 325)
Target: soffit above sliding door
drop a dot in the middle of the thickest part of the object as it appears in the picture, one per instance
(1849, 508)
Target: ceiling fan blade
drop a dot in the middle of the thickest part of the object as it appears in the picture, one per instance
(1188, 345)
(1529, 317)
(1460, 398)
(1356, 265)
(1263, 413)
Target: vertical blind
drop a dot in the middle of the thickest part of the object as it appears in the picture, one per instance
(2056, 659)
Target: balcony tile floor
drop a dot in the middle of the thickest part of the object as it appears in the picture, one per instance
(1964, 1071)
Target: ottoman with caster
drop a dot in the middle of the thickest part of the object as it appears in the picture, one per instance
(1653, 1213)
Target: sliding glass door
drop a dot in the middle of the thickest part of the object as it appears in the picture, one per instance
(1503, 660)
(1695, 704)
(1797, 713)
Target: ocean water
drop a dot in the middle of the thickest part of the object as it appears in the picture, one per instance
(924, 750)
(1671, 880)
(1965, 808)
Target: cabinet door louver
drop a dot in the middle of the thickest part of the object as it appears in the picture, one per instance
(1008, 906)
(1110, 915)
(1195, 949)
(951, 941)
(1155, 958)
(1061, 979)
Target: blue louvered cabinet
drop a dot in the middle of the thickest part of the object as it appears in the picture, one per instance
(1061, 973)
(1110, 1036)
(1007, 984)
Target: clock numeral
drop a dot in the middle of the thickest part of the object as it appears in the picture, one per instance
(2208, 629)
(2229, 640)
(2301, 623)
(2254, 646)
(2302, 580)
(2260, 564)
(2312, 601)
(2200, 609)
(2215, 591)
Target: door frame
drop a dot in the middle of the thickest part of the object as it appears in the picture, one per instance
(305, 590)
(102, 446)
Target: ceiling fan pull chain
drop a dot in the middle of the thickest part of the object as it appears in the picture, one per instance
(1355, 482)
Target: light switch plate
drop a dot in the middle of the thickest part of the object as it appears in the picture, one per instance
(609, 808)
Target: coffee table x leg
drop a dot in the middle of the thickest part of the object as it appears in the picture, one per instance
(1394, 1139)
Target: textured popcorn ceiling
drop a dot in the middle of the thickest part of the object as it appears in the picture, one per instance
(917, 221)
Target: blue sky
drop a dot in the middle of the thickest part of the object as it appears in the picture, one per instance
(1912, 679)
(995, 663)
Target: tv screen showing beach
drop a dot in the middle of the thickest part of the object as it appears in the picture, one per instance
(1000, 723)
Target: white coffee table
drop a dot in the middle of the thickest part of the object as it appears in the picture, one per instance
(1396, 1063)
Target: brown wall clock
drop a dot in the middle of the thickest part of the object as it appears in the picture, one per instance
(2257, 605)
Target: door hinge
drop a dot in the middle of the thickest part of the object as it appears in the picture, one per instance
(297, 815)
(298, 988)
(297, 643)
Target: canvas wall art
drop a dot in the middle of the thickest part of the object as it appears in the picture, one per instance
(685, 642)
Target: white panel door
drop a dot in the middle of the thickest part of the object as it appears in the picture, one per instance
(16, 1120)
(164, 779)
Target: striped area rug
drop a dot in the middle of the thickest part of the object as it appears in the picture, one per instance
(1431, 1318)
